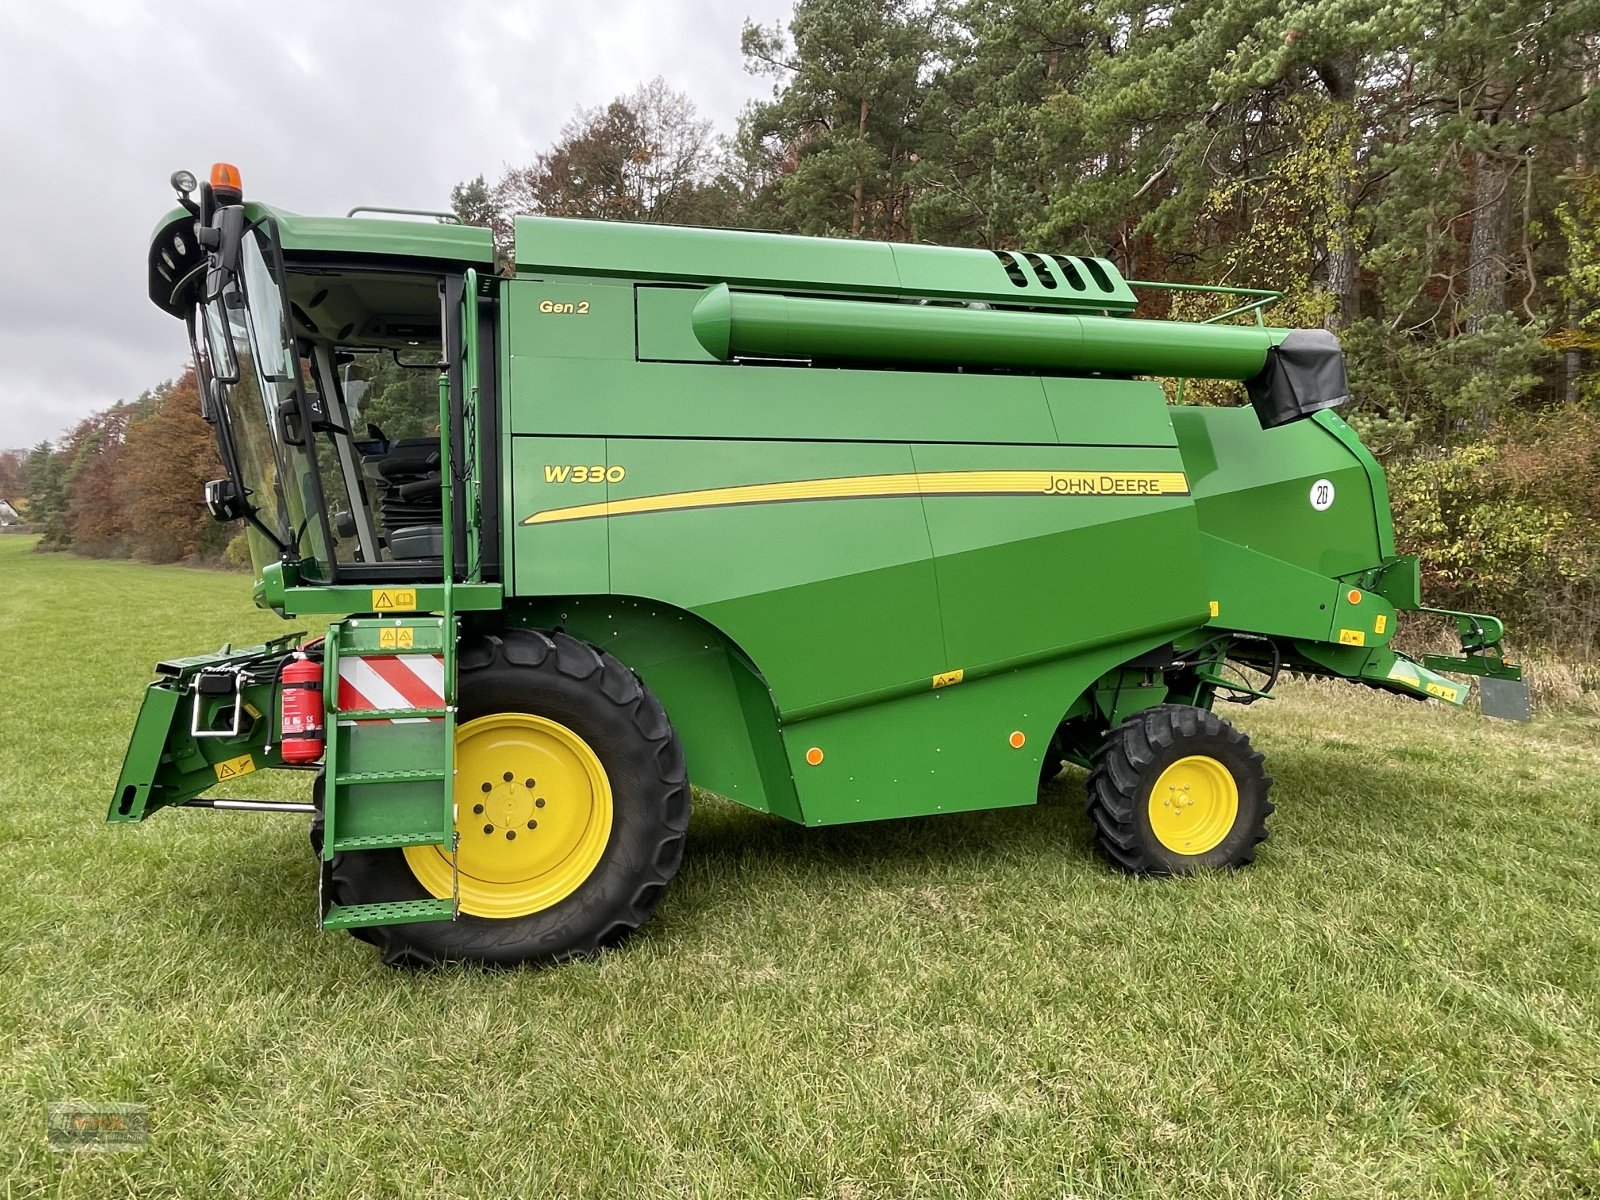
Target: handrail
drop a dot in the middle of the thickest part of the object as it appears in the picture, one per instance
(470, 424)
(1267, 297)
(440, 214)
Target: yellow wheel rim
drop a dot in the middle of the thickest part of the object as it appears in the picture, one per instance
(1193, 805)
(533, 811)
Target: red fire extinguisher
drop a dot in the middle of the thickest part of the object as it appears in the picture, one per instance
(301, 709)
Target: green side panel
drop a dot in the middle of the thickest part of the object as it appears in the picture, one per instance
(664, 320)
(942, 751)
(1382, 513)
(1030, 575)
(715, 698)
(557, 320)
(560, 246)
(725, 400)
(832, 599)
(1253, 486)
(1256, 593)
(567, 557)
(557, 245)
(1109, 412)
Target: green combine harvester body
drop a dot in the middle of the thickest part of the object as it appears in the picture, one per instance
(879, 530)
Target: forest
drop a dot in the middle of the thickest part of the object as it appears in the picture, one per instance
(1419, 177)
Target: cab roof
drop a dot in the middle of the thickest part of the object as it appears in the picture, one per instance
(174, 253)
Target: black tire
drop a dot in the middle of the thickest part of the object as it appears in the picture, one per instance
(602, 701)
(1131, 761)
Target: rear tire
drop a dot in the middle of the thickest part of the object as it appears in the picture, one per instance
(1175, 789)
(611, 721)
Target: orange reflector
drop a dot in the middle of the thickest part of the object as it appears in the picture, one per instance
(225, 177)
(1353, 596)
(814, 755)
(1018, 739)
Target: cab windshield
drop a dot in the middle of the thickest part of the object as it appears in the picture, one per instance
(324, 389)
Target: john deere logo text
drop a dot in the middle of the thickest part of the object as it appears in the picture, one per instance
(1079, 483)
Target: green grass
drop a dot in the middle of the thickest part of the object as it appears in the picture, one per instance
(1401, 998)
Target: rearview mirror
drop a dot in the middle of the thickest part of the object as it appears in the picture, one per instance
(224, 501)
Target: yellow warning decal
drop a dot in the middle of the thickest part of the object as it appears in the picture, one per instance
(881, 487)
(394, 599)
(396, 639)
(1352, 637)
(1443, 692)
(254, 712)
(947, 678)
(1380, 624)
(1216, 609)
(234, 767)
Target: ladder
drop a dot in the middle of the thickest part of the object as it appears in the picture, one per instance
(390, 769)
(390, 772)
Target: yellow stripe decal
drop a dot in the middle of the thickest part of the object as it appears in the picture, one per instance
(877, 487)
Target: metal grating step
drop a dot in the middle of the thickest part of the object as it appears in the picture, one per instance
(388, 714)
(389, 777)
(396, 912)
(430, 837)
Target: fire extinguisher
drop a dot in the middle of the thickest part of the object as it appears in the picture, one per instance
(300, 709)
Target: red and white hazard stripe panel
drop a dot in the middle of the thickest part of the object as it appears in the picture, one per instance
(391, 681)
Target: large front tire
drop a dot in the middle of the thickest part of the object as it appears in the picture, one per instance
(572, 806)
(1175, 789)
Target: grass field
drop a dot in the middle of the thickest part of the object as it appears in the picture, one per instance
(1401, 998)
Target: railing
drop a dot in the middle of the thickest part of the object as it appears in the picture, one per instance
(1265, 297)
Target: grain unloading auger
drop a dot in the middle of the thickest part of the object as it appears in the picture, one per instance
(843, 531)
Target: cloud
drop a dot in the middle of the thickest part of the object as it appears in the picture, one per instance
(323, 104)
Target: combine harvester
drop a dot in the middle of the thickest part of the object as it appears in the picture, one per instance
(842, 531)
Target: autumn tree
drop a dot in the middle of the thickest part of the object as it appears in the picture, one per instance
(96, 515)
(167, 456)
(647, 156)
(13, 476)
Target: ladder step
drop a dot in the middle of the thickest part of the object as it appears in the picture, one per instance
(397, 912)
(396, 652)
(388, 777)
(389, 714)
(427, 837)
(367, 638)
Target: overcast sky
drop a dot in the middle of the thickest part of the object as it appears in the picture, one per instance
(322, 104)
